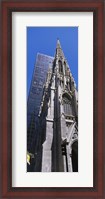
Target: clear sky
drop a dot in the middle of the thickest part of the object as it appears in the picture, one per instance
(44, 39)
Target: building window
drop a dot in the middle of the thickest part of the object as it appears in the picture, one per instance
(65, 66)
(67, 104)
(60, 67)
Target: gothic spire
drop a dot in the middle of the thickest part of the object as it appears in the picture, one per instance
(59, 51)
(58, 44)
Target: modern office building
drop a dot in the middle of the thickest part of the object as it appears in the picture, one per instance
(57, 139)
(35, 95)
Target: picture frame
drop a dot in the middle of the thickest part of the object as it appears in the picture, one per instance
(7, 7)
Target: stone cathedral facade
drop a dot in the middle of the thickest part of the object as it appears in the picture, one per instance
(57, 141)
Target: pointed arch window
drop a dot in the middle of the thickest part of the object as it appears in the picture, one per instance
(67, 105)
(60, 66)
(65, 68)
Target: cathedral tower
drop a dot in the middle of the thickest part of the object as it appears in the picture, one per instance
(58, 119)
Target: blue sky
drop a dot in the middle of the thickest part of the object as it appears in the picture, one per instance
(44, 39)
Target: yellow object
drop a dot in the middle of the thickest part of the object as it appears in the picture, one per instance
(28, 159)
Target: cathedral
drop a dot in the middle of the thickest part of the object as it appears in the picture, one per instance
(56, 148)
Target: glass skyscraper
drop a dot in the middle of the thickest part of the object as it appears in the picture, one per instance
(43, 62)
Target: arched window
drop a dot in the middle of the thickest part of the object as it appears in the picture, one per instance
(60, 67)
(67, 105)
(65, 68)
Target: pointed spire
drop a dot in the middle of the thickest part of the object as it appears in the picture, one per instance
(59, 51)
(58, 44)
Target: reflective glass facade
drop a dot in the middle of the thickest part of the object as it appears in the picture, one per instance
(35, 95)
